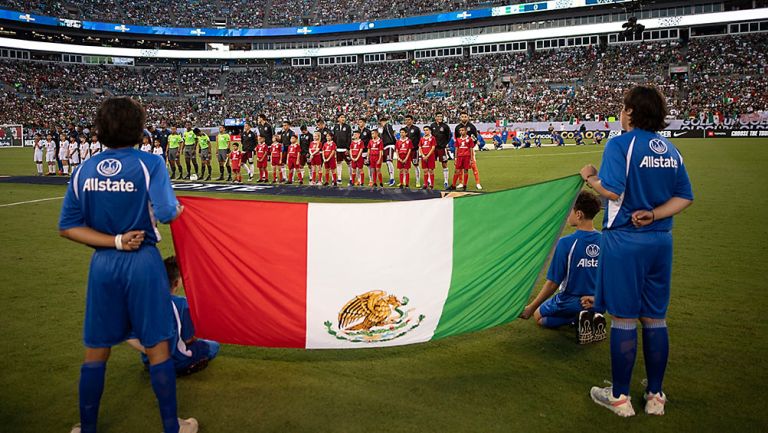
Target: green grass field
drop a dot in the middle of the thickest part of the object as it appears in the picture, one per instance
(507, 379)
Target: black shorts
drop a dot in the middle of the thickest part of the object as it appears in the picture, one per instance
(222, 154)
(389, 153)
(342, 156)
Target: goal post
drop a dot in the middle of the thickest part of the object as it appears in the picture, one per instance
(11, 136)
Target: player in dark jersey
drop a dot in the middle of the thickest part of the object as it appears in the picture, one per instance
(414, 134)
(388, 138)
(365, 137)
(342, 136)
(248, 137)
(304, 139)
(442, 133)
(285, 138)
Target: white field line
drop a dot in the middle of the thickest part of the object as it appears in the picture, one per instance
(30, 201)
(546, 154)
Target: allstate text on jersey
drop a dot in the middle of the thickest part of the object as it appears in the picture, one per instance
(109, 185)
(587, 263)
(658, 162)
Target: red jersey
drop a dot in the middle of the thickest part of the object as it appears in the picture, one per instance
(276, 149)
(375, 146)
(293, 150)
(315, 147)
(464, 146)
(356, 149)
(261, 151)
(328, 148)
(236, 156)
(427, 144)
(403, 147)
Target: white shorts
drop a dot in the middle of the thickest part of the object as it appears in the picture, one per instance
(50, 156)
(63, 154)
(38, 156)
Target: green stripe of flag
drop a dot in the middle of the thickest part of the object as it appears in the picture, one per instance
(500, 243)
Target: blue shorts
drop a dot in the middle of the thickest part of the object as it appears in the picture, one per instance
(201, 349)
(634, 274)
(127, 293)
(561, 305)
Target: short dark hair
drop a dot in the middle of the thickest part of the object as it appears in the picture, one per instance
(172, 269)
(340, 114)
(287, 122)
(588, 204)
(403, 130)
(408, 116)
(427, 127)
(262, 116)
(120, 122)
(303, 127)
(649, 108)
(463, 113)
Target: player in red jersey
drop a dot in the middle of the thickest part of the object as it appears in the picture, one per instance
(464, 149)
(235, 158)
(294, 152)
(262, 155)
(356, 150)
(403, 148)
(276, 157)
(316, 159)
(427, 147)
(329, 159)
(375, 154)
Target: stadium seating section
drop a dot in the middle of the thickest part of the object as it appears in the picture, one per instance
(727, 74)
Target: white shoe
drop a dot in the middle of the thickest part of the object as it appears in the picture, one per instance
(654, 403)
(188, 425)
(479, 187)
(460, 186)
(75, 428)
(621, 406)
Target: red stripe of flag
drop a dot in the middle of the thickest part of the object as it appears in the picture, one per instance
(244, 265)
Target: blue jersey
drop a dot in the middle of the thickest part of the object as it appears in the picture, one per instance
(504, 135)
(183, 330)
(120, 190)
(645, 170)
(516, 140)
(574, 264)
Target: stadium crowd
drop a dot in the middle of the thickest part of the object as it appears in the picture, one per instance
(576, 83)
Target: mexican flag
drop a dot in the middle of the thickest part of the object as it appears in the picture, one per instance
(319, 275)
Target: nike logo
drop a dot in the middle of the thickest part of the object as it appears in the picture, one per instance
(677, 134)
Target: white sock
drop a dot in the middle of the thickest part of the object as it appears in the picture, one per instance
(50, 169)
(338, 172)
(391, 169)
(418, 173)
(445, 175)
(66, 169)
(283, 171)
(39, 168)
(249, 169)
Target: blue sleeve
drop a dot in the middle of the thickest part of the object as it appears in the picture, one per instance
(559, 265)
(682, 183)
(164, 203)
(613, 168)
(187, 327)
(71, 212)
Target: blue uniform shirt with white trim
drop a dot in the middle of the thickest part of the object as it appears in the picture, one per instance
(120, 190)
(645, 170)
(574, 263)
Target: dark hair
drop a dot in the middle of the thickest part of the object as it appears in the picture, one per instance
(120, 122)
(649, 108)
(262, 116)
(287, 122)
(172, 269)
(438, 114)
(408, 116)
(303, 127)
(403, 130)
(196, 131)
(463, 113)
(320, 121)
(588, 204)
(427, 127)
(340, 114)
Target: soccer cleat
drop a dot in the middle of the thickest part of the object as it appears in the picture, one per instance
(621, 406)
(654, 403)
(460, 186)
(350, 183)
(76, 428)
(585, 325)
(599, 332)
(445, 185)
(194, 368)
(250, 177)
(188, 425)
(381, 185)
(479, 187)
(391, 182)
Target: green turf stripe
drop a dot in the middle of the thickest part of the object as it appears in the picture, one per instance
(500, 243)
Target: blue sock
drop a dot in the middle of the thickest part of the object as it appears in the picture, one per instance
(623, 352)
(655, 352)
(555, 322)
(91, 388)
(163, 378)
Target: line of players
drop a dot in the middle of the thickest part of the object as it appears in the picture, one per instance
(71, 153)
(324, 152)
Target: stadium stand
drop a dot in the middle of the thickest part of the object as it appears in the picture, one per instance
(575, 83)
